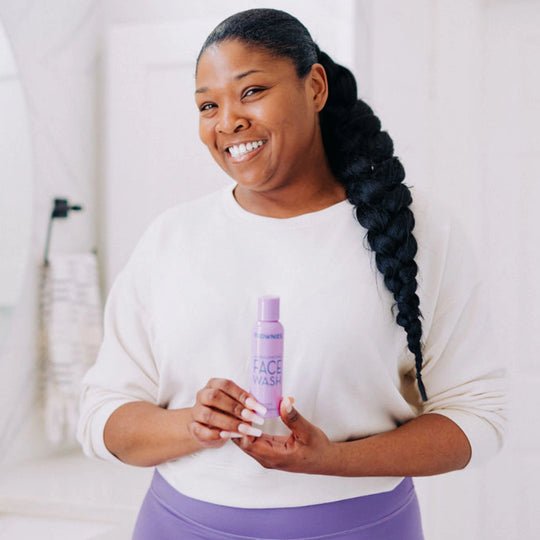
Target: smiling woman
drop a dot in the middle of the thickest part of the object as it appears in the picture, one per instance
(382, 391)
(260, 122)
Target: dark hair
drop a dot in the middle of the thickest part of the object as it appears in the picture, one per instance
(360, 155)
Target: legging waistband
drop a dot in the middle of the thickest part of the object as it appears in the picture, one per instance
(314, 521)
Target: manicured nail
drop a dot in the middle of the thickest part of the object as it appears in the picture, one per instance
(229, 435)
(257, 407)
(287, 404)
(249, 430)
(252, 417)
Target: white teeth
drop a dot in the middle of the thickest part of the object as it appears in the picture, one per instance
(241, 149)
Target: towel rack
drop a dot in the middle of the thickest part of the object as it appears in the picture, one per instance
(61, 209)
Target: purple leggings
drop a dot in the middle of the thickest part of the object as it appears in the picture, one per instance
(166, 514)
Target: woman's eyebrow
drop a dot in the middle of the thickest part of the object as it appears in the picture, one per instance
(238, 77)
(246, 73)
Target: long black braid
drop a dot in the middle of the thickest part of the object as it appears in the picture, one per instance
(360, 155)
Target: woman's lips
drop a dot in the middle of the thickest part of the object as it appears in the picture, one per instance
(239, 153)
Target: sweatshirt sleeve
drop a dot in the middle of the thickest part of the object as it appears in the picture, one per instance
(464, 376)
(125, 369)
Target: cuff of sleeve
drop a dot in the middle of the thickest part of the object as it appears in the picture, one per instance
(483, 437)
(98, 426)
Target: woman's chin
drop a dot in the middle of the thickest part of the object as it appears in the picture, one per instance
(251, 182)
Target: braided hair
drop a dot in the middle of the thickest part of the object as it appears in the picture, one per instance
(360, 155)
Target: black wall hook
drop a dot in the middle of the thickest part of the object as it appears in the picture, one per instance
(61, 209)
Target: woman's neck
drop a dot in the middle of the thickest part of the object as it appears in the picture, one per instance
(285, 203)
(315, 190)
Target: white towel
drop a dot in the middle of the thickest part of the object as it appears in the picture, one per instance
(71, 333)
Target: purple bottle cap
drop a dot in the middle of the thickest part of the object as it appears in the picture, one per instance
(268, 308)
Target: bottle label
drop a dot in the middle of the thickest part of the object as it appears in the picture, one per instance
(267, 336)
(266, 370)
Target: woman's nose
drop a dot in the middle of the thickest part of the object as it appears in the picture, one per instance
(230, 121)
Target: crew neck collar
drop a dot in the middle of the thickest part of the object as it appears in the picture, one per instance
(234, 209)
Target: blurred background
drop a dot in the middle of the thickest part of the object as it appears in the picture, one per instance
(96, 106)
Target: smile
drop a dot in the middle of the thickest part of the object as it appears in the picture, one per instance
(237, 151)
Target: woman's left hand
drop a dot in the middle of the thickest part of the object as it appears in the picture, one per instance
(306, 450)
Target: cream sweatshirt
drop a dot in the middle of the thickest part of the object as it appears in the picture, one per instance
(182, 309)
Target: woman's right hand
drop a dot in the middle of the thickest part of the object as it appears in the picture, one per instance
(223, 410)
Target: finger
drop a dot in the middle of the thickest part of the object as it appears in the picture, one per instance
(250, 416)
(229, 388)
(265, 444)
(205, 436)
(269, 451)
(249, 430)
(223, 390)
(218, 420)
(230, 435)
(215, 419)
(286, 406)
(294, 420)
(216, 399)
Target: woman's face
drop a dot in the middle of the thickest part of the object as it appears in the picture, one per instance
(257, 117)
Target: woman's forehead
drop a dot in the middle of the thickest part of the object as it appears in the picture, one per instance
(234, 60)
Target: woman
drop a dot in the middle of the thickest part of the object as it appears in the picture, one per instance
(383, 392)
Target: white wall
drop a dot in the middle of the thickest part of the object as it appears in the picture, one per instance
(56, 48)
(16, 173)
(456, 85)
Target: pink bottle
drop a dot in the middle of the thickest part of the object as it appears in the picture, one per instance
(267, 356)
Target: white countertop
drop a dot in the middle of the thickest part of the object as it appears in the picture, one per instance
(59, 494)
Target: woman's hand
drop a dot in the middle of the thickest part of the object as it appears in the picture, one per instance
(306, 450)
(222, 411)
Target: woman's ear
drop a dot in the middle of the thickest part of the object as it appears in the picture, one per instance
(318, 84)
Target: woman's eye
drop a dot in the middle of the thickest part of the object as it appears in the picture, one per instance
(252, 91)
(206, 107)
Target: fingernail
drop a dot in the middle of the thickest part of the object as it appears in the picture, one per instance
(257, 407)
(229, 435)
(249, 430)
(252, 417)
(287, 404)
